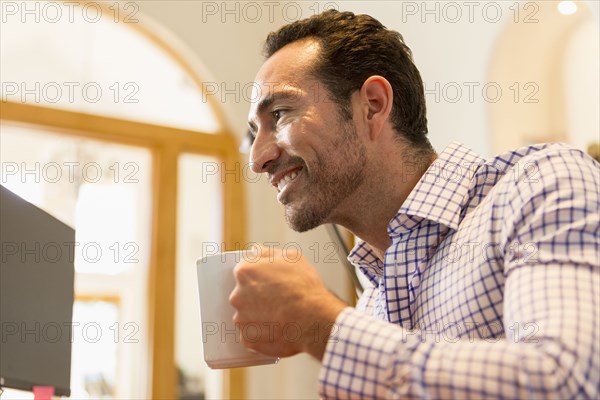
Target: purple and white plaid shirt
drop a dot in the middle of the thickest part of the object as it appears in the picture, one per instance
(490, 289)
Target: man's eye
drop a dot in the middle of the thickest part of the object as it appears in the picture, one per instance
(250, 137)
(277, 114)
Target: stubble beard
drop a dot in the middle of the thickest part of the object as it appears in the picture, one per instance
(336, 174)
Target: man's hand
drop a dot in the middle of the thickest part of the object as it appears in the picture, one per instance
(282, 305)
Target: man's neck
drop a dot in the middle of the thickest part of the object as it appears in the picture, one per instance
(374, 210)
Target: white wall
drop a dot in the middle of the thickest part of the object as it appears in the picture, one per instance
(582, 85)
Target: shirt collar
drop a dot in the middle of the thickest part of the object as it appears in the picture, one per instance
(442, 192)
(363, 256)
(449, 178)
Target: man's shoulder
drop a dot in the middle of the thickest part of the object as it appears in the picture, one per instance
(534, 164)
(550, 170)
(537, 153)
(513, 179)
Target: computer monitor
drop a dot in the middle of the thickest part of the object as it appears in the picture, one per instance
(36, 296)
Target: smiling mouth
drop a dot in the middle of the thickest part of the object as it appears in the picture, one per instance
(283, 182)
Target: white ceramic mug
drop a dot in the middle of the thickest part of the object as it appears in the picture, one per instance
(220, 336)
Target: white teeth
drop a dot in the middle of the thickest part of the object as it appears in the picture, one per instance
(285, 180)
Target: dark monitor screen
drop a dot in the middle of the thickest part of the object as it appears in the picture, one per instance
(36, 296)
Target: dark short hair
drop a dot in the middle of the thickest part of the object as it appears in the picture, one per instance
(353, 48)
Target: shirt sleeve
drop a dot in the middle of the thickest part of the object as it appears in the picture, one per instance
(551, 321)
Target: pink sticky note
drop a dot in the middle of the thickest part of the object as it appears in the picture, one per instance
(43, 392)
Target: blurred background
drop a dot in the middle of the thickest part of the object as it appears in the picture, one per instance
(124, 120)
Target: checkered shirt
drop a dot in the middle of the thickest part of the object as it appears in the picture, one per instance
(490, 288)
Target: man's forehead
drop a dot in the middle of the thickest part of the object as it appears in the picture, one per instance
(290, 66)
(275, 90)
(297, 56)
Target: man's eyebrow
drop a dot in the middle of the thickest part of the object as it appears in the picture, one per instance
(267, 101)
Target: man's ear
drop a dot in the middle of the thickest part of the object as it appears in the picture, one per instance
(377, 98)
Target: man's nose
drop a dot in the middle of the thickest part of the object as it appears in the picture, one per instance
(264, 151)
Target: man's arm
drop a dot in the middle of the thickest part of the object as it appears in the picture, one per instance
(551, 312)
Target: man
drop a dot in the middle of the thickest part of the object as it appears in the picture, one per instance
(485, 273)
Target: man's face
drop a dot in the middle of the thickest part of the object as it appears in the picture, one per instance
(312, 156)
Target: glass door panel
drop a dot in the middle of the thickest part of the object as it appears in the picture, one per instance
(104, 191)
